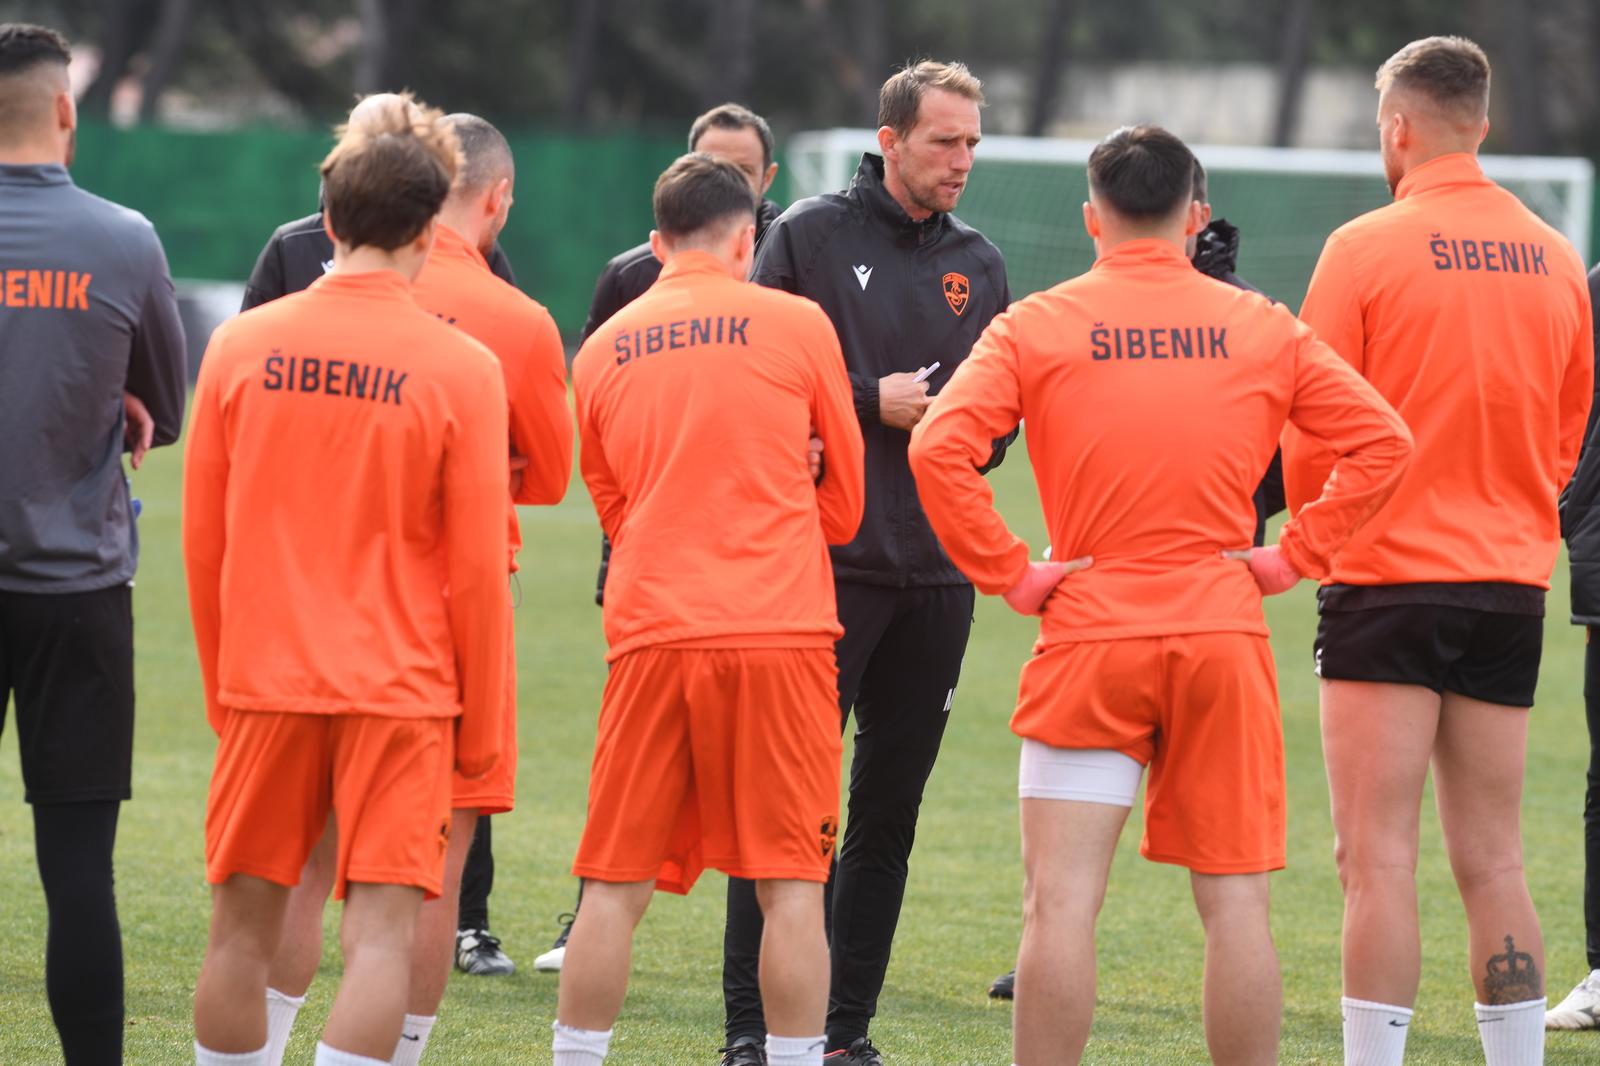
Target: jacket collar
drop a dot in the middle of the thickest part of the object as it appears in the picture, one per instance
(383, 284)
(452, 245)
(693, 263)
(867, 187)
(1453, 168)
(1144, 253)
(34, 174)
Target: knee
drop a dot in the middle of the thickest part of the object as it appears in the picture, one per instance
(1047, 907)
(1232, 900)
(1370, 864)
(1478, 874)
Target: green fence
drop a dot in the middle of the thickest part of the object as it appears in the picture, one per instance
(215, 197)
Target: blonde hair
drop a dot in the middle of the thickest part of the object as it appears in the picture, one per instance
(391, 170)
(900, 99)
(1451, 72)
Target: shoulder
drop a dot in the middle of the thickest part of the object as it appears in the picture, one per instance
(127, 230)
(812, 219)
(981, 246)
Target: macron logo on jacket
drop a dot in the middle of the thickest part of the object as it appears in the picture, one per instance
(863, 275)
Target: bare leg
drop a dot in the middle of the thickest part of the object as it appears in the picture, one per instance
(1067, 847)
(794, 958)
(1376, 740)
(376, 934)
(594, 975)
(294, 967)
(1477, 776)
(1243, 992)
(434, 951)
(230, 998)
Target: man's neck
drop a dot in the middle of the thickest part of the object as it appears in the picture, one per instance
(368, 259)
(31, 155)
(462, 222)
(901, 195)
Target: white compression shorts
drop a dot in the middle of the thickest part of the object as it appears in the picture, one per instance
(1089, 775)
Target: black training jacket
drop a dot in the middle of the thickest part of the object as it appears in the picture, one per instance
(902, 295)
(300, 252)
(1580, 504)
(626, 276)
(1216, 255)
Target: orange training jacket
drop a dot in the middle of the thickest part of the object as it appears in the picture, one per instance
(1153, 398)
(1472, 317)
(695, 403)
(457, 285)
(344, 523)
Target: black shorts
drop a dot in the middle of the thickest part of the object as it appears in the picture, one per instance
(1491, 656)
(68, 661)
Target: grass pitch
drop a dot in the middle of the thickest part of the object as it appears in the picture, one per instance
(961, 919)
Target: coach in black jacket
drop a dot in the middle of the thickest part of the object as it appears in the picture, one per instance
(300, 252)
(907, 286)
(1580, 525)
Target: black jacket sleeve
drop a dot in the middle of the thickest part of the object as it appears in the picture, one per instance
(500, 266)
(157, 371)
(266, 280)
(607, 301)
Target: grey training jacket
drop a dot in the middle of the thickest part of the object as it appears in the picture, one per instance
(86, 310)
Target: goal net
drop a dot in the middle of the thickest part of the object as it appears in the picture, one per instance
(1026, 195)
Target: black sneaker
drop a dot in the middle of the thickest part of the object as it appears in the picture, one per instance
(550, 961)
(479, 953)
(859, 1053)
(745, 1051)
(1004, 987)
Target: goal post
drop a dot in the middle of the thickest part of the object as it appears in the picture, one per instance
(1026, 193)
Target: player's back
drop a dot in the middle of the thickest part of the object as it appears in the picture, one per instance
(1467, 313)
(698, 400)
(339, 409)
(1153, 398)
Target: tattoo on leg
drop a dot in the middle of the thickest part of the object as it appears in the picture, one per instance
(1512, 977)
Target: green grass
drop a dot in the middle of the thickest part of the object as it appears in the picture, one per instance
(960, 923)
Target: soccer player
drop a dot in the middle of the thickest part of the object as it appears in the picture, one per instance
(1471, 316)
(87, 311)
(1214, 251)
(457, 287)
(345, 542)
(1154, 397)
(907, 285)
(1580, 523)
(742, 137)
(718, 742)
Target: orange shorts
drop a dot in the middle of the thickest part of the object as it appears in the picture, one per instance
(387, 781)
(722, 757)
(496, 791)
(1201, 710)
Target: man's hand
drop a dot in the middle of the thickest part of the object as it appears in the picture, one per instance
(814, 458)
(902, 400)
(519, 463)
(1273, 573)
(140, 429)
(1028, 595)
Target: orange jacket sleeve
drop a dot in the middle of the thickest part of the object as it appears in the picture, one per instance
(609, 502)
(541, 421)
(841, 494)
(1577, 393)
(1340, 414)
(205, 496)
(982, 401)
(1332, 308)
(475, 541)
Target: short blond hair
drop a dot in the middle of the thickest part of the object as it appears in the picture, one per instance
(900, 99)
(1452, 72)
(390, 172)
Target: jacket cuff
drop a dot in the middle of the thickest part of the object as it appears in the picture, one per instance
(1289, 543)
(866, 397)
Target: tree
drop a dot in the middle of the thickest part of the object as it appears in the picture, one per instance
(1292, 69)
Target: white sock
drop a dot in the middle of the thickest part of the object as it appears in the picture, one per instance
(795, 1050)
(1374, 1033)
(281, 1013)
(327, 1056)
(206, 1057)
(1513, 1034)
(413, 1039)
(579, 1047)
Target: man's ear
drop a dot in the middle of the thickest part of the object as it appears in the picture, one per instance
(888, 144)
(766, 180)
(66, 112)
(1196, 218)
(658, 246)
(327, 226)
(1091, 220)
(494, 202)
(424, 240)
